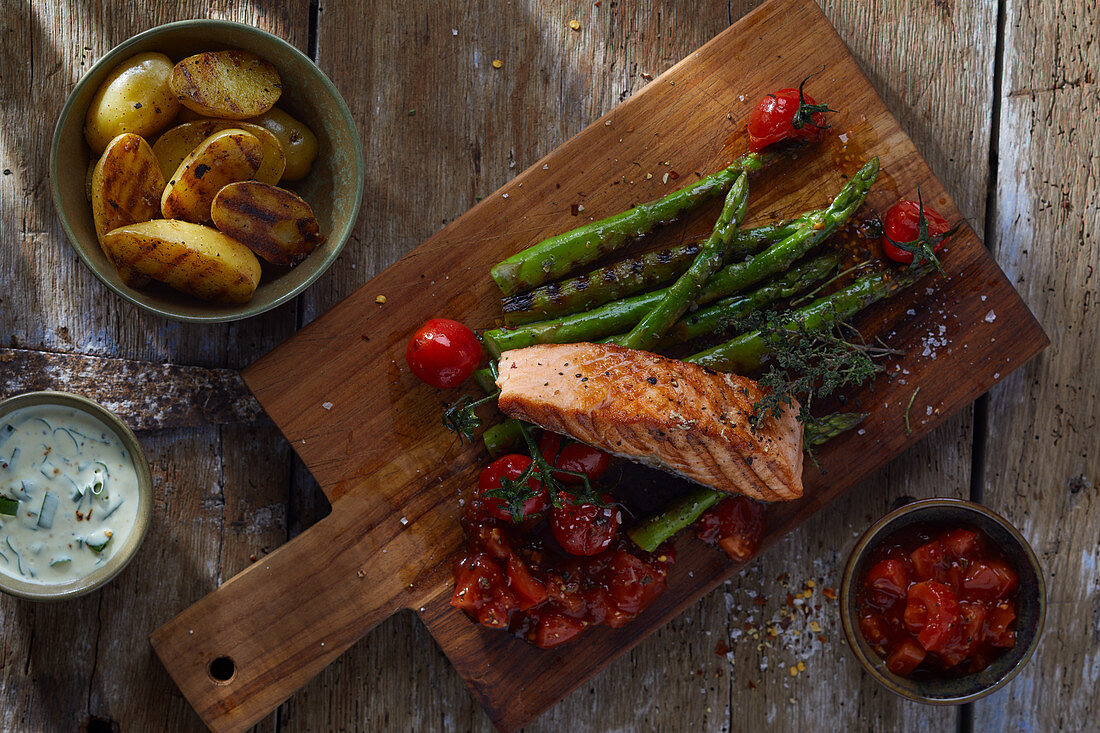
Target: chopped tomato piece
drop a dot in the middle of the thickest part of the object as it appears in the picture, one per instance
(998, 632)
(736, 525)
(929, 562)
(529, 591)
(989, 580)
(930, 612)
(887, 582)
(905, 657)
(632, 583)
(960, 542)
(554, 629)
(873, 628)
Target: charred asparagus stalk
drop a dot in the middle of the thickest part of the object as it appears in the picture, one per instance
(559, 255)
(683, 293)
(629, 276)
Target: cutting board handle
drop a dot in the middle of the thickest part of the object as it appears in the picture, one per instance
(243, 649)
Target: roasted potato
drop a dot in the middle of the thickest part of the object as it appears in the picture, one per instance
(224, 157)
(299, 142)
(176, 144)
(135, 98)
(188, 257)
(272, 222)
(126, 187)
(232, 84)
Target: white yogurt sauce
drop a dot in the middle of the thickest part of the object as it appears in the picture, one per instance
(68, 494)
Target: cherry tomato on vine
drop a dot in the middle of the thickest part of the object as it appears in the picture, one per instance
(585, 529)
(443, 353)
(902, 237)
(789, 114)
(573, 456)
(511, 467)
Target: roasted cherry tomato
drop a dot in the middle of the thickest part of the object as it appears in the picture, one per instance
(573, 456)
(998, 631)
(887, 582)
(585, 529)
(929, 562)
(789, 114)
(443, 353)
(930, 612)
(511, 467)
(902, 236)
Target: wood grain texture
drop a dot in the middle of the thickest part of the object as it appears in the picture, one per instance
(367, 455)
(1043, 470)
(224, 490)
(65, 664)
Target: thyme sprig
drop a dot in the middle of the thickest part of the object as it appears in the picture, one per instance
(807, 365)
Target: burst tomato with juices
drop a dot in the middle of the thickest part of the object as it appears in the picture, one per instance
(938, 601)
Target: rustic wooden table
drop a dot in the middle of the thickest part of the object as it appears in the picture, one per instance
(1000, 97)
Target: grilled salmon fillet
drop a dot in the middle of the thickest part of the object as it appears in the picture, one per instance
(669, 414)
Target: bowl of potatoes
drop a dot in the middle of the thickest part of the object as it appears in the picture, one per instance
(206, 171)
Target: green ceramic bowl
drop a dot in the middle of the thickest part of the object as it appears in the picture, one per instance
(334, 187)
(114, 565)
(1030, 601)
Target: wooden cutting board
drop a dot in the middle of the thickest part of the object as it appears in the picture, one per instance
(371, 433)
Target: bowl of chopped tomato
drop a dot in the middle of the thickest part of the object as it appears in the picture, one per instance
(942, 601)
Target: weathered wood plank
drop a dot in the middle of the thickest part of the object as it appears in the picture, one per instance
(62, 663)
(1043, 468)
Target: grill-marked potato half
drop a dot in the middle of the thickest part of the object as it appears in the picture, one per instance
(224, 157)
(231, 84)
(274, 223)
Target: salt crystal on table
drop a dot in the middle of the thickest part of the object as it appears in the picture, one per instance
(983, 298)
(910, 312)
(404, 521)
(843, 137)
(928, 410)
(990, 317)
(996, 375)
(326, 405)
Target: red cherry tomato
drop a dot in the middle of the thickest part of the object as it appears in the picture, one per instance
(930, 613)
(480, 590)
(574, 456)
(989, 580)
(777, 117)
(585, 529)
(902, 225)
(887, 581)
(905, 657)
(443, 353)
(512, 467)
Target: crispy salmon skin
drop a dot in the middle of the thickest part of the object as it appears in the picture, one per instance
(669, 414)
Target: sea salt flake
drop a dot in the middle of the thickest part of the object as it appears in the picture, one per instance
(404, 521)
(928, 410)
(843, 137)
(326, 405)
(990, 317)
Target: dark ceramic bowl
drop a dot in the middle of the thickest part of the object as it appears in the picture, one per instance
(1030, 601)
(334, 187)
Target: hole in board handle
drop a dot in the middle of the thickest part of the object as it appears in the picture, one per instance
(221, 670)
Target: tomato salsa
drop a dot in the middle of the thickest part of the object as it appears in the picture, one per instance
(938, 601)
(519, 577)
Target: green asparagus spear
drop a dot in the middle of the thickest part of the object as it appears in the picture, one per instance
(552, 258)
(744, 353)
(683, 293)
(715, 317)
(503, 437)
(622, 315)
(628, 276)
(683, 512)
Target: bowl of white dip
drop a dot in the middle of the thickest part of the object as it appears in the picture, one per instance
(75, 495)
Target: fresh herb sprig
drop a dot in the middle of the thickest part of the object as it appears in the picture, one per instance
(807, 365)
(460, 416)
